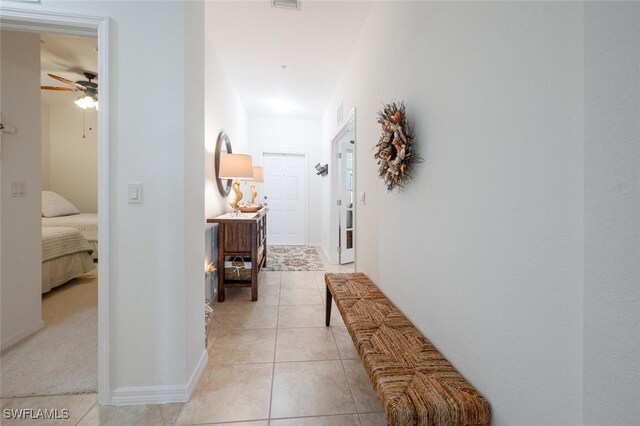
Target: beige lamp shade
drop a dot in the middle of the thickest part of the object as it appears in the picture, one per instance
(236, 166)
(258, 174)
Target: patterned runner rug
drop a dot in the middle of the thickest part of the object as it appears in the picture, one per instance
(293, 258)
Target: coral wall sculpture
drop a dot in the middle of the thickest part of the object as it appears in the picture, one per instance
(394, 151)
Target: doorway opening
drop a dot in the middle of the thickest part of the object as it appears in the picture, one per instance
(343, 192)
(44, 24)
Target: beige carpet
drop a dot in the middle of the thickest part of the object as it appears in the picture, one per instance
(62, 358)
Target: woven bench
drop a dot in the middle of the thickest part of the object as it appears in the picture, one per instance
(414, 382)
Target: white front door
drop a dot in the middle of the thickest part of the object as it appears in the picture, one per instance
(285, 185)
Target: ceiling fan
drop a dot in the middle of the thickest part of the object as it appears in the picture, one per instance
(89, 96)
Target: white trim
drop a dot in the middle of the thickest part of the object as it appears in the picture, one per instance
(161, 394)
(87, 26)
(15, 339)
(306, 190)
(197, 373)
(104, 206)
(348, 122)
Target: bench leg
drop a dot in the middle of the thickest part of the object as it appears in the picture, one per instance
(327, 320)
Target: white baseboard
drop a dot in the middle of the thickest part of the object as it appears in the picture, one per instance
(197, 373)
(21, 335)
(160, 394)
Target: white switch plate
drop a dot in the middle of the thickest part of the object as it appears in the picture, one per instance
(362, 198)
(134, 192)
(17, 189)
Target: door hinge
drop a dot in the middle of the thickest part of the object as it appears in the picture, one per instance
(338, 202)
(339, 250)
(339, 155)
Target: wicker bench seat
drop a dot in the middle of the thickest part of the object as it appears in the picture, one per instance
(414, 382)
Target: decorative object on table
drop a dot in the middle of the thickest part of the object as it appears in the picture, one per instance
(293, 258)
(258, 176)
(223, 147)
(322, 170)
(252, 206)
(236, 167)
(394, 150)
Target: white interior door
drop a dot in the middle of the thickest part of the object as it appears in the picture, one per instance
(346, 191)
(285, 185)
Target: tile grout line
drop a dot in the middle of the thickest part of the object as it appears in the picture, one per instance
(275, 348)
(344, 370)
(87, 412)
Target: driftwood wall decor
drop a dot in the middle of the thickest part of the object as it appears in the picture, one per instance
(394, 151)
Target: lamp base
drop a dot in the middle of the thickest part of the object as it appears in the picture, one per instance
(236, 188)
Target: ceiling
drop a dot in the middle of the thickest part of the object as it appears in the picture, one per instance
(67, 57)
(254, 40)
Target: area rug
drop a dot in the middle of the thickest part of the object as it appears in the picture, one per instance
(62, 358)
(293, 258)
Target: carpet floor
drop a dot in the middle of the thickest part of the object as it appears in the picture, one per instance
(62, 358)
(293, 258)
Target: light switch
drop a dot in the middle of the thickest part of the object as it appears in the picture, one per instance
(17, 189)
(362, 198)
(134, 192)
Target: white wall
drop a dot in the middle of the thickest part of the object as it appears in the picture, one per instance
(483, 250)
(300, 136)
(20, 224)
(223, 111)
(612, 214)
(153, 294)
(44, 138)
(71, 166)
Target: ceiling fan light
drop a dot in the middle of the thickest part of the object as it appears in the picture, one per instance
(84, 101)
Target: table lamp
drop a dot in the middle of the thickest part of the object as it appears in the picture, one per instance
(236, 166)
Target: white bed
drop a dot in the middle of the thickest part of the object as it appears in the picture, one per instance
(86, 223)
(66, 254)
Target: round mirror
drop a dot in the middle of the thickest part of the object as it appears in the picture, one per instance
(223, 146)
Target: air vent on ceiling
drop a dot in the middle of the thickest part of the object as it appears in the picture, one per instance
(286, 4)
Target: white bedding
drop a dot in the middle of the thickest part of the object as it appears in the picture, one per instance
(66, 254)
(58, 242)
(86, 223)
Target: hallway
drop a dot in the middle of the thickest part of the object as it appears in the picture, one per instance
(271, 362)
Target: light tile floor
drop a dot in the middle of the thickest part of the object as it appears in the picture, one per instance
(271, 362)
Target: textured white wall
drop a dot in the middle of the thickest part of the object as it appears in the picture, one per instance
(290, 135)
(20, 223)
(483, 250)
(71, 168)
(223, 111)
(612, 213)
(44, 138)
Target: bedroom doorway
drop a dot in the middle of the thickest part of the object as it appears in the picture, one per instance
(86, 304)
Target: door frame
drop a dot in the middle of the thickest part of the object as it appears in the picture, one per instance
(16, 19)
(306, 184)
(348, 123)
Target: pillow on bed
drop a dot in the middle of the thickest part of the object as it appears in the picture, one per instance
(54, 205)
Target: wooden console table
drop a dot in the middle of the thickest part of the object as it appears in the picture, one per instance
(244, 235)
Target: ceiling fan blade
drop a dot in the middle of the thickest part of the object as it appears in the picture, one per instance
(60, 89)
(64, 80)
